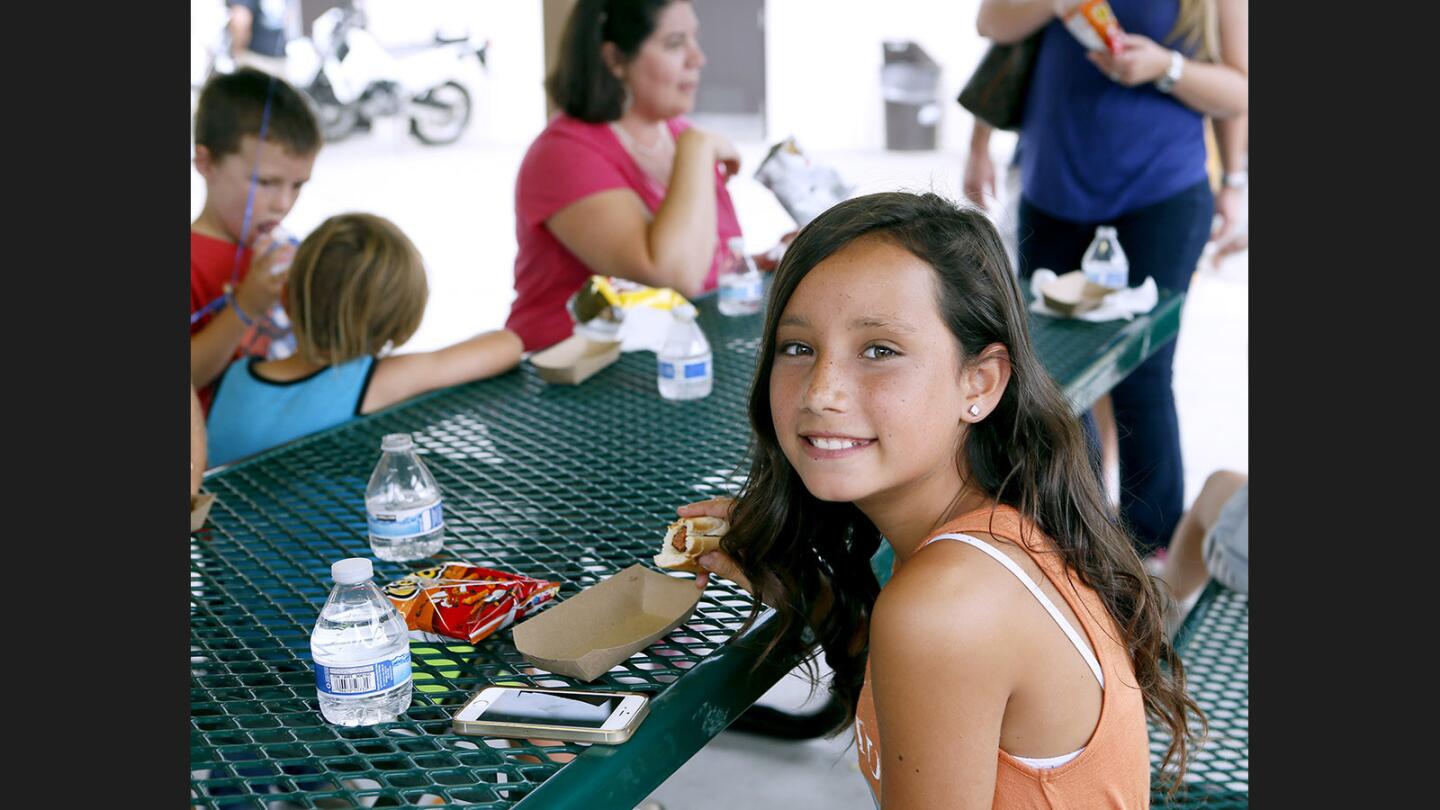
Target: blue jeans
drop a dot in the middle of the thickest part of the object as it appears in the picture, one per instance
(1163, 240)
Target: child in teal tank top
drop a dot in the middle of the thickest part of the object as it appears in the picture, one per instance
(357, 289)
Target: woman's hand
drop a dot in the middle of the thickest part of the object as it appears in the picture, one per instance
(725, 154)
(1141, 60)
(715, 562)
(1232, 232)
(1229, 205)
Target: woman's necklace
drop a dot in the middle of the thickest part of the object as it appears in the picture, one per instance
(652, 151)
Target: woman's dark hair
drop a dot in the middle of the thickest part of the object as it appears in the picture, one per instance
(582, 84)
(1029, 453)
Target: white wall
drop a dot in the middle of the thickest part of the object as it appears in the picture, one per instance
(824, 57)
(509, 98)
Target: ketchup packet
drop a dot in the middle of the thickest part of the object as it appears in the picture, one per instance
(466, 602)
(1093, 23)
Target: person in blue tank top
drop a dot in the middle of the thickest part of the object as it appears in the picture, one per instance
(357, 289)
(1117, 138)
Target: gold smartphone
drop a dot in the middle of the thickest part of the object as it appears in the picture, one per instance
(569, 715)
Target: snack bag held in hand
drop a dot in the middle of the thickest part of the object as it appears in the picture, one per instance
(689, 538)
(1093, 23)
(804, 189)
(466, 602)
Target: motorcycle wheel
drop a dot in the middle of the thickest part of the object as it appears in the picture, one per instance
(336, 120)
(445, 114)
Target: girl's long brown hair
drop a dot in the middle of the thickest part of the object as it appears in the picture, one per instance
(1030, 453)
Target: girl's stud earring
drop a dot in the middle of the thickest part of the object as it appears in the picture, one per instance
(975, 410)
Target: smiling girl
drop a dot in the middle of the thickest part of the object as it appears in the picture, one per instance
(1015, 652)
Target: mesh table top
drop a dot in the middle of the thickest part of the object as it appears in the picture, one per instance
(1214, 643)
(567, 483)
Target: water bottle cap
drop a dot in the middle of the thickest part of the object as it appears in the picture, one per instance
(352, 570)
(397, 442)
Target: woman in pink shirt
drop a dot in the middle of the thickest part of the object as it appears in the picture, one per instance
(619, 183)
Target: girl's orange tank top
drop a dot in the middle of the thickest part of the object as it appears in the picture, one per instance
(1113, 771)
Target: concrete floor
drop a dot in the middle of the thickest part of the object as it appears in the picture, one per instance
(455, 203)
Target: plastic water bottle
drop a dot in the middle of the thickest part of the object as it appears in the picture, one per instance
(282, 334)
(361, 650)
(276, 323)
(1104, 262)
(402, 504)
(742, 289)
(686, 370)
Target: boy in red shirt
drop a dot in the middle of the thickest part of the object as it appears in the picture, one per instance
(233, 234)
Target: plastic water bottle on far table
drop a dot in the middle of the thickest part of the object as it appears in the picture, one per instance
(1104, 262)
(742, 289)
(686, 369)
(361, 650)
(402, 504)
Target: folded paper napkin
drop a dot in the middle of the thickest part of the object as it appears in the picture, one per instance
(1126, 303)
(643, 329)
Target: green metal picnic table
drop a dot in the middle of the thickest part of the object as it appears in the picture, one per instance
(567, 483)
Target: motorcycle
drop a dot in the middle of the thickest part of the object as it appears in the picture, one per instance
(353, 79)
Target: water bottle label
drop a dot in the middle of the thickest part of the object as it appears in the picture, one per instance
(363, 680)
(667, 370)
(1114, 277)
(694, 370)
(406, 523)
(742, 292)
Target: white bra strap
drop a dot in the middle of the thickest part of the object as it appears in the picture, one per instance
(1039, 594)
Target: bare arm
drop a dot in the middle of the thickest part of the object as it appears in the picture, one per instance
(1232, 136)
(613, 233)
(212, 347)
(1007, 21)
(979, 176)
(938, 745)
(197, 443)
(403, 376)
(1221, 89)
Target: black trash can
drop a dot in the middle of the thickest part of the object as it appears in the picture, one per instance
(910, 85)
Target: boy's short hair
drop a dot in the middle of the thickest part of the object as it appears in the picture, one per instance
(357, 285)
(232, 106)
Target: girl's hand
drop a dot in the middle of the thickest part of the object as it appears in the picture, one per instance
(1141, 60)
(715, 562)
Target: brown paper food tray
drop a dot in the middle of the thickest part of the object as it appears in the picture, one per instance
(594, 630)
(572, 360)
(199, 510)
(1072, 294)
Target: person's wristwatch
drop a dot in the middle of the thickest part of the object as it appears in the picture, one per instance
(1238, 179)
(1177, 66)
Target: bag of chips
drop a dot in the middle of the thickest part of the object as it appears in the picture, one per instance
(462, 602)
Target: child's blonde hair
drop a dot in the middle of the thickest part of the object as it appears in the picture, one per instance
(357, 285)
